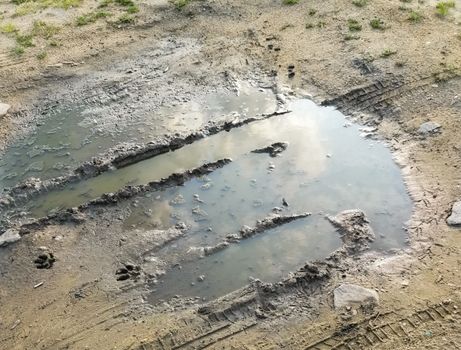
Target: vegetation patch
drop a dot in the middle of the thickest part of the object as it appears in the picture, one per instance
(388, 53)
(44, 29)
(90, 18)
(8, 28)
(443, 7)
(415, 16)
(30, 6)
(180, 4)
(290, 2)
(354, 25)
(360, 3)
(377, 23)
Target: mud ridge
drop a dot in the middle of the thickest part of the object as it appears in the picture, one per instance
(121, 156)
(76, 215)
(261, 226)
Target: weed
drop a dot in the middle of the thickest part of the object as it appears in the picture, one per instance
(360, 3)
(31, 6)
(321, 24)
(125, 3)
(44, 29)
(91, 17)
(349, 37)
(310, 25)
(354, 26)
(377, 23)
(105, 3)
(415, 16)
(180, 4)
(132, 9)
(17, 50)
(42, 55)
(24, 40)
(312, 12)
(54, 43)
(125, 19)
(387, 53)
(290, 2)
(404, 8)
(443, 7)
(8, 28)
(406, 1)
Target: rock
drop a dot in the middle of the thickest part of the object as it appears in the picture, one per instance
(4, 108)
(429, 128)
(455, 217)
(352, 294)
(8, 237)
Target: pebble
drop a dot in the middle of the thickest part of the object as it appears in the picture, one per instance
(4, 108)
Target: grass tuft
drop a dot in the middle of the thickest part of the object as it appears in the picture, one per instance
(388, 53)
(354, 25)
(377, 23)
(360, 3)
(443, 7)
(290, 2)
(90, 18)
(8, 28)
(43, 29)
(415, 16)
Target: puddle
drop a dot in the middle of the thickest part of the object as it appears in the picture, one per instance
(326, 168)
(65, 138)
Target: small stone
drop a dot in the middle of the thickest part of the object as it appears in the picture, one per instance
(201, 278)
(4, 108)
(455, 217)
(429, 128)
(350, 294)
(8, 237)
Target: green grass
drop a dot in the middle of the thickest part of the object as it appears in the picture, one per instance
(125, 19)
(360, 3)
(43, 29)
(180, 4)
(24, 40)
(290, 2)
(17, 50)
(377, 23)
(8, 28)
(30, 6)
(388, 53)
(415, 16)
(349, 37)
(132, 9)
(443, 7)
(354, 25)
(91, 17)
(41, 56)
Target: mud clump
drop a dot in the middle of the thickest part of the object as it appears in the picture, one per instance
(274, 149)
(45, 261)
(355, 231)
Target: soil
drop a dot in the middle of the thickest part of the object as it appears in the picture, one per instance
(393, 79)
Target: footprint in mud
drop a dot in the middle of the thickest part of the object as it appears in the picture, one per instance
(44, 261)
(128, 271)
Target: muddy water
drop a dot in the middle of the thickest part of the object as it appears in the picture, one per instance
(66, 137)
(327, 168)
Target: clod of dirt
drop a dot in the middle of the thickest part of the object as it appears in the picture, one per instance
(354, 228)
(128, 271)
(4, 108)
(8, 237)
(274, 149)
(455, 217)
(352, 295)
(429, 128)
(45, 261)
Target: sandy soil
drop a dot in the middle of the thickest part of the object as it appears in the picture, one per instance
(81, 306)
